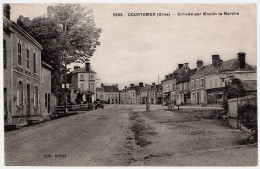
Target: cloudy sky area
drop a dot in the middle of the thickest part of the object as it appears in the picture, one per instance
(137, 49)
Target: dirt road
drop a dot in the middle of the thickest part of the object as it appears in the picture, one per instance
(123, 135)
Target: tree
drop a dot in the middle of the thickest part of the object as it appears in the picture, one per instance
(79, 34)
(234, 89)
(68, 31)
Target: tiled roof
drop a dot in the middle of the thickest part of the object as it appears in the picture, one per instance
(145, 88)
(110, 89)
(82, 70)
(175, 73)
(229, 65)
(186, 76)
(100, 89)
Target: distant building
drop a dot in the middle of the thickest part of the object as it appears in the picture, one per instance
(111, 94)
(82, 82)
(183, 94)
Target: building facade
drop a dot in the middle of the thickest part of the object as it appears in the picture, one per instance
(111, 94)
(22, 74)
(82, 82)
(228, 70)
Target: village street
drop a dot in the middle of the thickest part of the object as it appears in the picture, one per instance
(127, 135)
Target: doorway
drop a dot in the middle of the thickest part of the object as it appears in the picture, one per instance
(28, 103)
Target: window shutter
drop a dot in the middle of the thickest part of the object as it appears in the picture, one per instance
(17, 94)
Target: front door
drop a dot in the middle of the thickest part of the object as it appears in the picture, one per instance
(49, 107)
(28, 103)
(198, 96)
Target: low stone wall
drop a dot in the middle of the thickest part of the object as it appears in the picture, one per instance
(234, 104)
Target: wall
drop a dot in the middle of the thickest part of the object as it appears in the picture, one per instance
(26, 76)
(233, 105)
(8, 75)
(45, 89)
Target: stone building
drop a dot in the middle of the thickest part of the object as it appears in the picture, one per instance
(22, 74)
(228, 70)
(82, 82)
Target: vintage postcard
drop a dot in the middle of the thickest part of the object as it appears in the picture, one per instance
(129, 84)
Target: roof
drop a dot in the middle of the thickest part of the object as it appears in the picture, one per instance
(186, 76)
(45, 65)
(229, 65)
(100, 89)
(145, 88)
(82, 70)
(110, 89)
(249, 84)
(175, 74)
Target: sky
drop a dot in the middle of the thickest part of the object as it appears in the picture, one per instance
(139, 49)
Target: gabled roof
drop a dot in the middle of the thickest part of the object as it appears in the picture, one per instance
(204, 70)
(82, 70)
(100, 89)
(229, 65)
(175, 74)
(145, 88)
(186, 76)
(110, 89)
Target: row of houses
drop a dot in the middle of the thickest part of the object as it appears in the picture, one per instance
(140, 94)
(27, 79)
(205, 83)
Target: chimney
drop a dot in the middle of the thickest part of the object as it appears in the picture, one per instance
(87, 65)
(166, 76)
(180, 65)
(215, 59)
(116, 85)
(146, 84)
(102, 85)
(141, 84)
(199, 64)
(153, 84)
(241, 60)
(125, 87)
(76, 67)
(132, 85)
(186, 66)
(6, 11)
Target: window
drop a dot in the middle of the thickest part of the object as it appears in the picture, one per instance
(34, 63)
(81, 77)
(201, 83)
(91, 86)
(20, 94)
(82, 86)
(27, 58)
(36, 97)
(46, 100)
(216, 82)
(19, 53)
(197, 83)
(92, 77)
(5, 56)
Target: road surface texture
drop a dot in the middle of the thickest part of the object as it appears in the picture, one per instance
(122, 135)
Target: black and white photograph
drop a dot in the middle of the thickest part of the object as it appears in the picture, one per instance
(129, 84)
